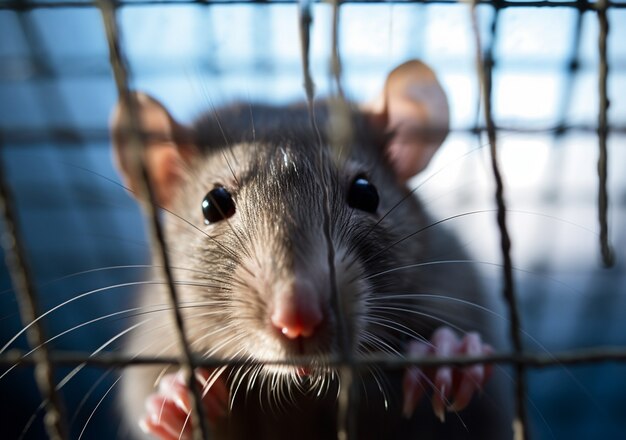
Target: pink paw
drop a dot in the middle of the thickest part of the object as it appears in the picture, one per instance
(168, 409)
(453, 387)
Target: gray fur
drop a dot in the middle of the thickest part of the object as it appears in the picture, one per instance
(269, 159)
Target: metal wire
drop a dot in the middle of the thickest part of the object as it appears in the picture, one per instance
(340, 134)
(136, 144)
(72, 136)
(483, 67)
(17, 5)
(603, 197)
(582, 356)
(27, 299)
(345, 429)
(573, 65)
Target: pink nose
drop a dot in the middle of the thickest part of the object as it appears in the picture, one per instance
(297, 312)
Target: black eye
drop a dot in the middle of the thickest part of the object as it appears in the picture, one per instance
(217, 205)
(363, 195)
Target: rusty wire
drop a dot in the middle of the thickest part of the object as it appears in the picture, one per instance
(483, 68)
(582, 356)
(137, 141)
(73, 136)
(603, 197)
(305, 18)
(25, 292)
(16, 5)
(340, 139)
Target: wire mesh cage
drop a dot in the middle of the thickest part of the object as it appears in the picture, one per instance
(529, 179)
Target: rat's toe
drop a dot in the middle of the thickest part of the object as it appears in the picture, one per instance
(415, 380)
(164, 419)
(473, 377)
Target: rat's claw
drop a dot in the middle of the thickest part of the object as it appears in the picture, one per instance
(164, 419)
(472, 378)
(445, 344)
(214, 394)
(172, 387)
(453, 388)
(168, 410)
(414, 382)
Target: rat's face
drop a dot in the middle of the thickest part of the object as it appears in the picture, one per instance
(283, 246)
(262, 286)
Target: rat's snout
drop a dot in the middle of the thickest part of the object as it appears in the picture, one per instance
(298, 310)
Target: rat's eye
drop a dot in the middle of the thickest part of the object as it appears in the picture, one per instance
(217, 205)
(363, 195)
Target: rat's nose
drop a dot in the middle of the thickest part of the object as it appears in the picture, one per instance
(297, 311)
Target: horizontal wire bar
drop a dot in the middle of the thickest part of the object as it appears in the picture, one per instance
(73, 135)
(24, 68)
(593, 355)
(39, 4)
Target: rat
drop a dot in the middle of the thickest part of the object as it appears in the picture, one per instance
(245, 191)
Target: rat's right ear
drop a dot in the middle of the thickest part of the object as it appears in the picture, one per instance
(166, 147)
(413, 110)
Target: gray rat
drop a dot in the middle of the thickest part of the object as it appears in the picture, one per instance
(243, 191)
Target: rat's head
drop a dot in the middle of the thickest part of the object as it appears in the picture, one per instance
(248, 189)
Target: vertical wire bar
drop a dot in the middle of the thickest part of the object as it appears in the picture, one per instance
(573, 66)
(603, 129)
(484, 67)
(26, 295)
(305, 18)
(136, 137)
(340, 133)
(345, 372)
(340, 121)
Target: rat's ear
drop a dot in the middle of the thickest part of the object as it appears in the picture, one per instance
(166, 147)
(413, 109)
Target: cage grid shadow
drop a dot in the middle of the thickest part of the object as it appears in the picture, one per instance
(46, 360)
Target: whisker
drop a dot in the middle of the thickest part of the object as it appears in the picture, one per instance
(438, 297)
(96, 408)
(91, 292)
(108, 179)
(88, 394)
(464, 321)
(212, 379)
(77, 369)
(219, 244)
(84, 272)
(228, 340)
(374, 372)
(396, 326)
(253, 128)
(95, 291)
(429, 226)
(375, 341)
(32, 419)
(476, 262)
(64, 333)
(484, 309)
(410, 194)
(426, 315)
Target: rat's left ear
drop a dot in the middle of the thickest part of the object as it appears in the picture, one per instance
(413, 108)
(166, 146)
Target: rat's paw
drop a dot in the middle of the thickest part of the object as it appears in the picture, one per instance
(168, 410)
(453, 388)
